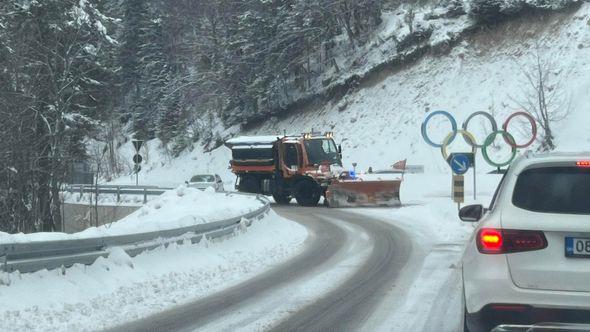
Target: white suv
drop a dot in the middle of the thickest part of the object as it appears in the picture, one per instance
(528, 261)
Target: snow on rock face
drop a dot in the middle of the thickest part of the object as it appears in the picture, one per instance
(483, 73)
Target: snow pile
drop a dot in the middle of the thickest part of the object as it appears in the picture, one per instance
(177, 208)
(119, 289)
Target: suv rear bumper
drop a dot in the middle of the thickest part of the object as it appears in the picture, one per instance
(493, 315)
(486, 280)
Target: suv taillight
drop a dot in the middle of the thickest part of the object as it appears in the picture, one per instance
(505, 241)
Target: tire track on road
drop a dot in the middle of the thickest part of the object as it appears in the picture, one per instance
(346, 307)
(324, 241)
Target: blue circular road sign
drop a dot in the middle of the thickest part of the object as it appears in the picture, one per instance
(460, 163)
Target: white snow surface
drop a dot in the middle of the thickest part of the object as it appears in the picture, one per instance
(177, 208)
(254, 139)
(119, 288)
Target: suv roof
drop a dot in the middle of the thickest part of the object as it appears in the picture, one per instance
(530, 159)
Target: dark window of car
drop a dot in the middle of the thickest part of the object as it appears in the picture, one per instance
(554, 190)
(203, 178)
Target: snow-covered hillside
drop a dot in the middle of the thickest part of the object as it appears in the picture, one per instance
(380, 122)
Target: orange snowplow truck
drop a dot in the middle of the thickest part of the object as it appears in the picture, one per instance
(304, 167)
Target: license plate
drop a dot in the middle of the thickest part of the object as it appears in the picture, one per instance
(577, 247)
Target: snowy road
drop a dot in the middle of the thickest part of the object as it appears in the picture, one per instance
(350, 263)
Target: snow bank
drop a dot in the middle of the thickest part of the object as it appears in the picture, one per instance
(177, 208)
(119, 289)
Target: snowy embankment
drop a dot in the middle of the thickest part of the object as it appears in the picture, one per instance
(177, 208)
(119, 288)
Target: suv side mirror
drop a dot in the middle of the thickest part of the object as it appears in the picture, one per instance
(471, 213)
(339, 148)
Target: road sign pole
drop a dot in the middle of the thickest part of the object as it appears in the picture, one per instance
(474, 182)
(136, 178)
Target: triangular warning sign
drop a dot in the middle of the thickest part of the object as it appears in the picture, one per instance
(137, 145)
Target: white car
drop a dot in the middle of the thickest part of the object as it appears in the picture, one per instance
(204, 181)
(528, 261)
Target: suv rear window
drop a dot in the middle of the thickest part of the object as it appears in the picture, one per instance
(554, 190)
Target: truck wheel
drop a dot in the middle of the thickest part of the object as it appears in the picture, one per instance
(282, 198)
(307, 193)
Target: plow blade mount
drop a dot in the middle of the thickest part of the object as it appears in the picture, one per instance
(353, 193)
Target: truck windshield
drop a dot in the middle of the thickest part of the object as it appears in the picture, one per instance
(321, 151)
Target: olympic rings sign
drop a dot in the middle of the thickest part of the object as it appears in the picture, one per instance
(471, 140)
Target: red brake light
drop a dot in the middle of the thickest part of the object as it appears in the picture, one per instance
(583, 163)
(504, 241)
(490, 241)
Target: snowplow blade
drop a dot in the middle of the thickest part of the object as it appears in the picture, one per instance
(357, 193)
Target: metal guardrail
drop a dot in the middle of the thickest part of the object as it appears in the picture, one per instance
(116, 190)
(34, 256)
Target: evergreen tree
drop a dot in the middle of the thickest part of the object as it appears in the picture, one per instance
(52, 100)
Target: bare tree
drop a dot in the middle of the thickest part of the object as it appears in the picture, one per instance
(542, 97)
(488, 129)
(409, 18)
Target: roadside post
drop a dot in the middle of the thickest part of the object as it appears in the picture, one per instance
(137, 159)
(458, 190)
(460, 164)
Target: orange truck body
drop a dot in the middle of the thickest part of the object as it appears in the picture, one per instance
(304, 167)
